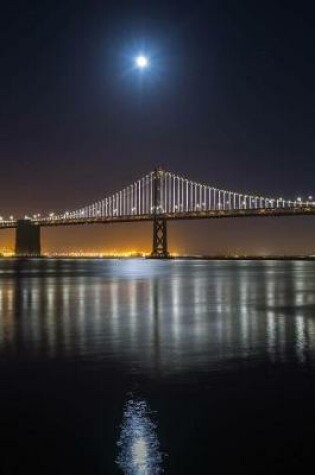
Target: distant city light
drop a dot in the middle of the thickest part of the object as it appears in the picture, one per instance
(142, 61)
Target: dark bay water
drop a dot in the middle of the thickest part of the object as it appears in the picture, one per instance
(144, 367)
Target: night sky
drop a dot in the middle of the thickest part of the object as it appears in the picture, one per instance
(228, 100)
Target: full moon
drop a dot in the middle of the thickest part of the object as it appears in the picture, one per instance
(142, 61)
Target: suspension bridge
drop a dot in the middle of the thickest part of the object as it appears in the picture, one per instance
(158, 197)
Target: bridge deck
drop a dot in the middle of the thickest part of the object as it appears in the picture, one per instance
(215, 214)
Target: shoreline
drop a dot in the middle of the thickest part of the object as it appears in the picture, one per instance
(177, 257)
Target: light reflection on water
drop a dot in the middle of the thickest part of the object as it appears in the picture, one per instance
(138, 443)
(167, 316)
(179, 335)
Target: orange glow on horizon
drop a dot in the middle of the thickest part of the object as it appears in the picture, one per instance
(9, 252)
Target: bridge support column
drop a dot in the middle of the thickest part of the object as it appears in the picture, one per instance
(159, 248)
(27, 239)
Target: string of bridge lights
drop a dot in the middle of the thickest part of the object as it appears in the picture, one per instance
(176, 195)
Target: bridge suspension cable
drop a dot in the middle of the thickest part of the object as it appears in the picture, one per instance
(177, 195)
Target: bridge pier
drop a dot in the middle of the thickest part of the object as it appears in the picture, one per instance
(159, 247)
(27, 239)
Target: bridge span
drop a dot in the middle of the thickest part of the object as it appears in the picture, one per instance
(158, 197)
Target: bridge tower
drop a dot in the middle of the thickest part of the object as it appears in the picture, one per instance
(27, 239)
(159, 247)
